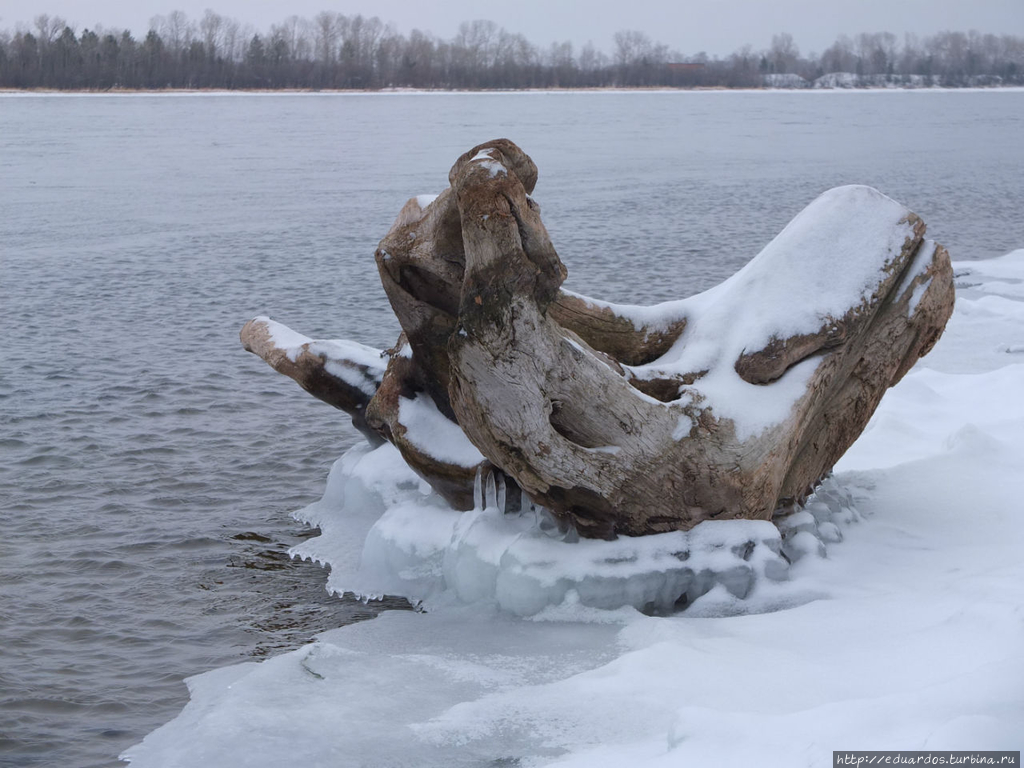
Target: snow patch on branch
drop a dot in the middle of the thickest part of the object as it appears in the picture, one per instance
(524, 564)
(434, 434)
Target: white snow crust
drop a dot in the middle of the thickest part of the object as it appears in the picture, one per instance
(784, 80)
(337, 354)
(484, 158)
(899, 628)
(434, 434)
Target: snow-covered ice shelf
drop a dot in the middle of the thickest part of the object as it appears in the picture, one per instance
(907, 635)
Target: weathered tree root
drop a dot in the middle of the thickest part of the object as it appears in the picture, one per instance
(618, 420)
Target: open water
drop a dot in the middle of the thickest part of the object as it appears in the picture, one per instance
(148, 464)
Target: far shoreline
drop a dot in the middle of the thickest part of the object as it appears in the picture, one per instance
(481, 91)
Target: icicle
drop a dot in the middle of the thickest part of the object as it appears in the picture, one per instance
(545, 521)
(490, 492)
(478, 489)
(501, 493)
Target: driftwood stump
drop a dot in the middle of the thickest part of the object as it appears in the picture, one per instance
(619, 419)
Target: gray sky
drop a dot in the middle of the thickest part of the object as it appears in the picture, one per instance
(718, 27)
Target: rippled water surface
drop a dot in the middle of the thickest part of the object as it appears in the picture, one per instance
(148, 464)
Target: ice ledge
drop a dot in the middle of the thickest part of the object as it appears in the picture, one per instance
(416, 547)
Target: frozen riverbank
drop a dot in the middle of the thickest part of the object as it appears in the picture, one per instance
(905, 636)
(140, 461)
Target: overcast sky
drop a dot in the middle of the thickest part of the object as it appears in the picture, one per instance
(718, 27)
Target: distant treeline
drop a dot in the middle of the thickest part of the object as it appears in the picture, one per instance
(337, 51)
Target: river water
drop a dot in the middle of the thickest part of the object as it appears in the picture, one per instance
(148, 464)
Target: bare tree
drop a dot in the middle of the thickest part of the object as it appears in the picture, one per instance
(176, 30)
(48, 28)
(326, 31)
(839, 56)
(233, 40)
(211, 28)
(784, 53)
